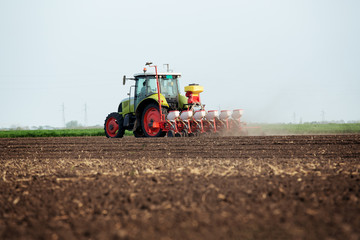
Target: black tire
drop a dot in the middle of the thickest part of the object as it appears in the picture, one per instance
(151, 106)
(138, 133)
(171, 133)
(113, 125)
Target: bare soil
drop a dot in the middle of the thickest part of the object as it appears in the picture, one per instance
(260, 187)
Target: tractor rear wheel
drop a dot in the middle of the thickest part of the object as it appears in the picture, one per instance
(151, 115)
(113, 125)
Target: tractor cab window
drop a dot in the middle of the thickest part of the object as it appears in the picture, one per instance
(169, 87)
(152, 86)
(141, 88)
(145, 86)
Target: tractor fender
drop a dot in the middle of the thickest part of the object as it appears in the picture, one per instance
(150, 99)
(164, 103)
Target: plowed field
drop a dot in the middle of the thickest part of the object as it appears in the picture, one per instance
(263, 187)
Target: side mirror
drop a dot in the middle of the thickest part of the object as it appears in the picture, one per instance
(124, 80)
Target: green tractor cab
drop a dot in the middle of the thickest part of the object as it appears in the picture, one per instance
(139, 112)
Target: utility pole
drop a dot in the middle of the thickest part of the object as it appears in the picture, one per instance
(323, 116)
(167, 67)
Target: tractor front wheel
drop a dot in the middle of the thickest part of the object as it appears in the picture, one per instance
(113, 125)
(150, 116)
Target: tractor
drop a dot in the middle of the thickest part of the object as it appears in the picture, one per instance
(156, 108)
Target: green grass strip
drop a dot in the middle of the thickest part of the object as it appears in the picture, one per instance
(55, 133)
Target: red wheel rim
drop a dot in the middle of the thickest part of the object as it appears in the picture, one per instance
(112, 127)
(151, 115)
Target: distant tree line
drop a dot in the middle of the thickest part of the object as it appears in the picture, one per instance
(69, 125)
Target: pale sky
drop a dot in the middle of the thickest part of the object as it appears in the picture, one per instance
(276, 59)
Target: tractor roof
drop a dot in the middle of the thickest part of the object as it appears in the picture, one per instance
(159, 74)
